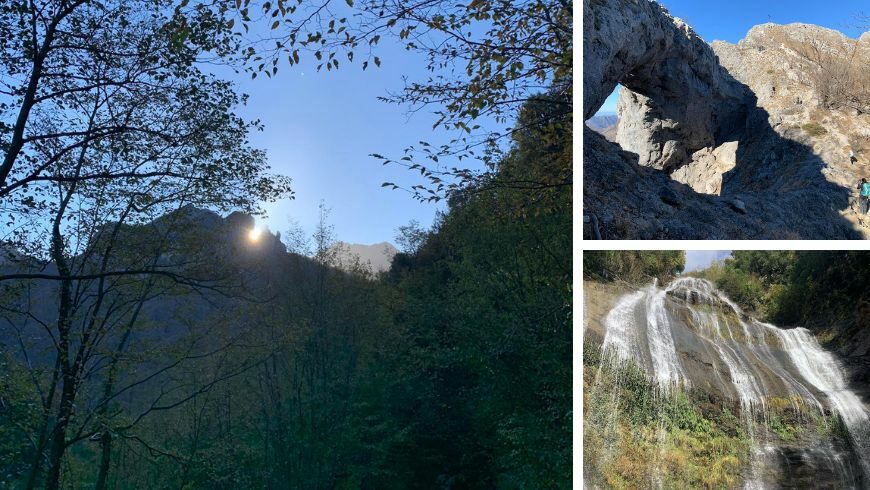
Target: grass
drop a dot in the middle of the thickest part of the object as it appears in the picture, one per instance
(814, 129)
(636, 436)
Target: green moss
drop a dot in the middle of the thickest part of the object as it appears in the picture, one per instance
(785, 429)
(825, 337)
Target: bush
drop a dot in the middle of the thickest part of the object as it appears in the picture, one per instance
(814, 129)
(633, 266)
(624, 446)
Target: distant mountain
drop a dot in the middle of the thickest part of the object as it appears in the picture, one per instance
(202, 248)
(378, 255)
(604, 124)
(602, 120)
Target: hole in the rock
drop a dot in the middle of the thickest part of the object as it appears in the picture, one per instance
(606, 120)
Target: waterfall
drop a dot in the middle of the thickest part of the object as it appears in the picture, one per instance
(642, 315)
(690, 335)
(821, 369)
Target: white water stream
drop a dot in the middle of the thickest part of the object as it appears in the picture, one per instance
(691, 335)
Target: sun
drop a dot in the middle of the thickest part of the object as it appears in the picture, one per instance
(254, 234)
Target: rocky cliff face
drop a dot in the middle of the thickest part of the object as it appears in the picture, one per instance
(794, 70)
(681, 96)
(804, 422)
(377, 257)
(746, 122)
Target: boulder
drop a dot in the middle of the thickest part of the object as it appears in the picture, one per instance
(737, 205)
(708, 166)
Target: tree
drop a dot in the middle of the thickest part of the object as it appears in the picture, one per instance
(486, 58)
(485, 304)
(114, 124)
(836, 69)
(633, 266)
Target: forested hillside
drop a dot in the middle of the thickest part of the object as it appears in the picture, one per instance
(154, 335)
(633, 266)
(452, 369)
(796, 287)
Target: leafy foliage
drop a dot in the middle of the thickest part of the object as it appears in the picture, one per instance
(486, 60)
(107, 120)
(633, 266)
(797, 288)
(453, 369)
(636, 436)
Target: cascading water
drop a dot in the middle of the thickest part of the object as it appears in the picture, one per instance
(821, 369)
(659, 353)
(689, 335)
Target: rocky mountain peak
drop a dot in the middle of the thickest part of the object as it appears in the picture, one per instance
(759, 133)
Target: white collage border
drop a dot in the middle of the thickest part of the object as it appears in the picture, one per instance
(580, 245)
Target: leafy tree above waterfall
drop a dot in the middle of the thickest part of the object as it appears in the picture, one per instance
(798, 287)
(633, 266)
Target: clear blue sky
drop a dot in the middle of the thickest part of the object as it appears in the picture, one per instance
(730, 20)
(320, 128)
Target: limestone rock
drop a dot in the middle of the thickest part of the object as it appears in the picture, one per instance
(682, 99)
(705, 173)
(703, 124)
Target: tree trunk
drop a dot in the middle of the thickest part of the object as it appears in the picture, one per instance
(58, 440)
(105, 458)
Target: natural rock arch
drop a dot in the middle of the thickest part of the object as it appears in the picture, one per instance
(679, 99)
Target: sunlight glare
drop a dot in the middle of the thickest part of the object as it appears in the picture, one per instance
(254, 234)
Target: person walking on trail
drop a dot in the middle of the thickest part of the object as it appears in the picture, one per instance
(852, 158)
(864, 189)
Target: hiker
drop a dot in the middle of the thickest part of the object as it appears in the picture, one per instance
(852, 157)
(864, 187)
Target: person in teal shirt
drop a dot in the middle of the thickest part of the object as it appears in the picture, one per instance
(864, 187)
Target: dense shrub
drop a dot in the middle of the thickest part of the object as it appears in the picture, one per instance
(814, 129)
(636, 436)
(634, 266)
(797, 288)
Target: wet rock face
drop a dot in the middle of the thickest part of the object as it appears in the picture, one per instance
(805, 426)
(679, 99)
(820, 466)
